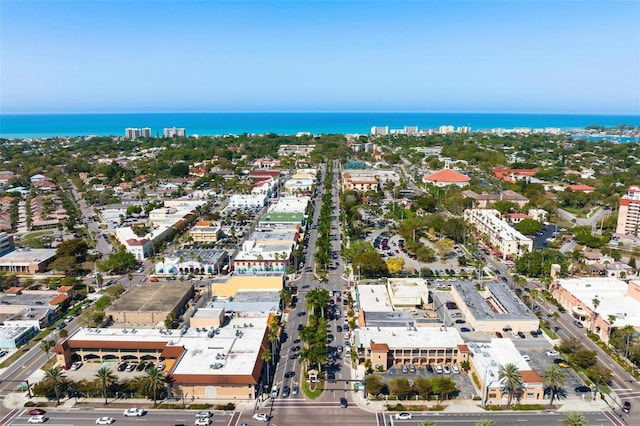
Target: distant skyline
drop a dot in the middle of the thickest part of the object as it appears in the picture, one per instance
(567, 57)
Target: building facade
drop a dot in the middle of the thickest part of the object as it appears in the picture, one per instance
(629, 212)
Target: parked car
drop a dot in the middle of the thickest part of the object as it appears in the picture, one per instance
(464, 329)
(583, 389)
(498, 335)
(446, 369)
(438, 368)
(455, 369)
(553, 353)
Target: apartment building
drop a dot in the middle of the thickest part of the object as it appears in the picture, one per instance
(505, 239)
(629, 212)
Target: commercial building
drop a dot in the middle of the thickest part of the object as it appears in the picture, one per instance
(210, 362)
(487, 359)
(389, 346)
(174, 131)
(205, 232)
(496, 308)
(13, 337)
(136, 133)
(23, 261)
(615, 298)
(194, 261)
(30, 308)
(506, 240)
(150, 303)
(629, 212)
(248, 200)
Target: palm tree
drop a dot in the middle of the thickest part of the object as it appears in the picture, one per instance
(105, 378)
(56, 376)
(427, 423)
(612, 319)
(575, 419)
(266, 357)
(511, 378)
(485, 422)
(153, 381)
(46, 346)
(596, 303)
(553, 378)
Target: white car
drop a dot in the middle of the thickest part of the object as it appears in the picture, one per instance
(403, 416)
(204, 421)
(134, 412)
(455, 369)
(526, 357)
(76, 365)
(37, 419)
(261, 417)
(204, 415)
(553, 353)
(104, 420)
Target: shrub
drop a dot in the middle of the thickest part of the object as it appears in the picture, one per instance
(29, 404)
(528, 407)
(436, 408)
(397, 407)
(229, 406)
(493, 408)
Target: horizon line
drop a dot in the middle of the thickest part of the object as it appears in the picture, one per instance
(321, 112)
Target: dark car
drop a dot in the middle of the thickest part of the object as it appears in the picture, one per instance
(331, 377)
(286, 391)
(343, 402)
(122, 367)
(626, 407)
(339, 329)
(290, 374)
(534, 333)
(498, 335)
(583, 389)
(460, 321)
(521, 335)
(465, 329)
(36, 412)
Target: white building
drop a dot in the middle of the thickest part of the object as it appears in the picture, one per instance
(135, 133)
(248, 200)
(174, 131)
(508, 241)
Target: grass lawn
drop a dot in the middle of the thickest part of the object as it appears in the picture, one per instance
(312, 394)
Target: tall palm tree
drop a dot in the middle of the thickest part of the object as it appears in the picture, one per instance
(56, 376)
(511, 379)
(153, 381)
(553, 378)
(267, 356)
(105, 378)
(575, 419)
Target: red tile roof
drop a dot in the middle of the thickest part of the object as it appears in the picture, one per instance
(447, 175)
(581, 187)
(380, 347)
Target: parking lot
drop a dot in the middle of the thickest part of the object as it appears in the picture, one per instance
(88, 371)
(465, 388)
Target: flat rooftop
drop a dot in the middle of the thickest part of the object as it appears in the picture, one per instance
(388, 319)
(203, 255)
(613, 296)
(286, 217)
(396, 338)
(33, 298)
(490, 356)
(153, 297)
(273, 235)
(263, 301)
(12, 332)
(374, 298)
(26, 256)
(506, 305)
(239, 342)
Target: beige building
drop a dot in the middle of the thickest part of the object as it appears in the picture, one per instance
(205, 232)
(506, 240)
(389, 346)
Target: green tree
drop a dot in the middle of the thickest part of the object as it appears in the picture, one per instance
(57, 378)
(76, 248)
(423, 386)
(400, 387)
(485, 422)
(553, 379)
(119, 262)
(443, 387)
(511, 380)
(266, 357)
(599, 374)
(575, 419)
(46, 346)
(105, 378)
(584, 358)
(370, 265)
(528, 226)
(374, 384)
(153, 381)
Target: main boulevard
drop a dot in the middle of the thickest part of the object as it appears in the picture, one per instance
(326, 410)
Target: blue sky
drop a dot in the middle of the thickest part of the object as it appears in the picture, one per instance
(435, 56)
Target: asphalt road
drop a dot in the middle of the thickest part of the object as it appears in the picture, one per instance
(499, 419)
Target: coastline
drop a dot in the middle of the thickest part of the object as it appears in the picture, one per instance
(34, 126)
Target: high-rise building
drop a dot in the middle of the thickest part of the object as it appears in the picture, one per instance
(380, 130)
(629, 212)
(174, 131)
(134, 133)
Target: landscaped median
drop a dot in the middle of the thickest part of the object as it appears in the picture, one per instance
(312, 390)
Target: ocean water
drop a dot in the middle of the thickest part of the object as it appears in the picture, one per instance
(29, 126)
